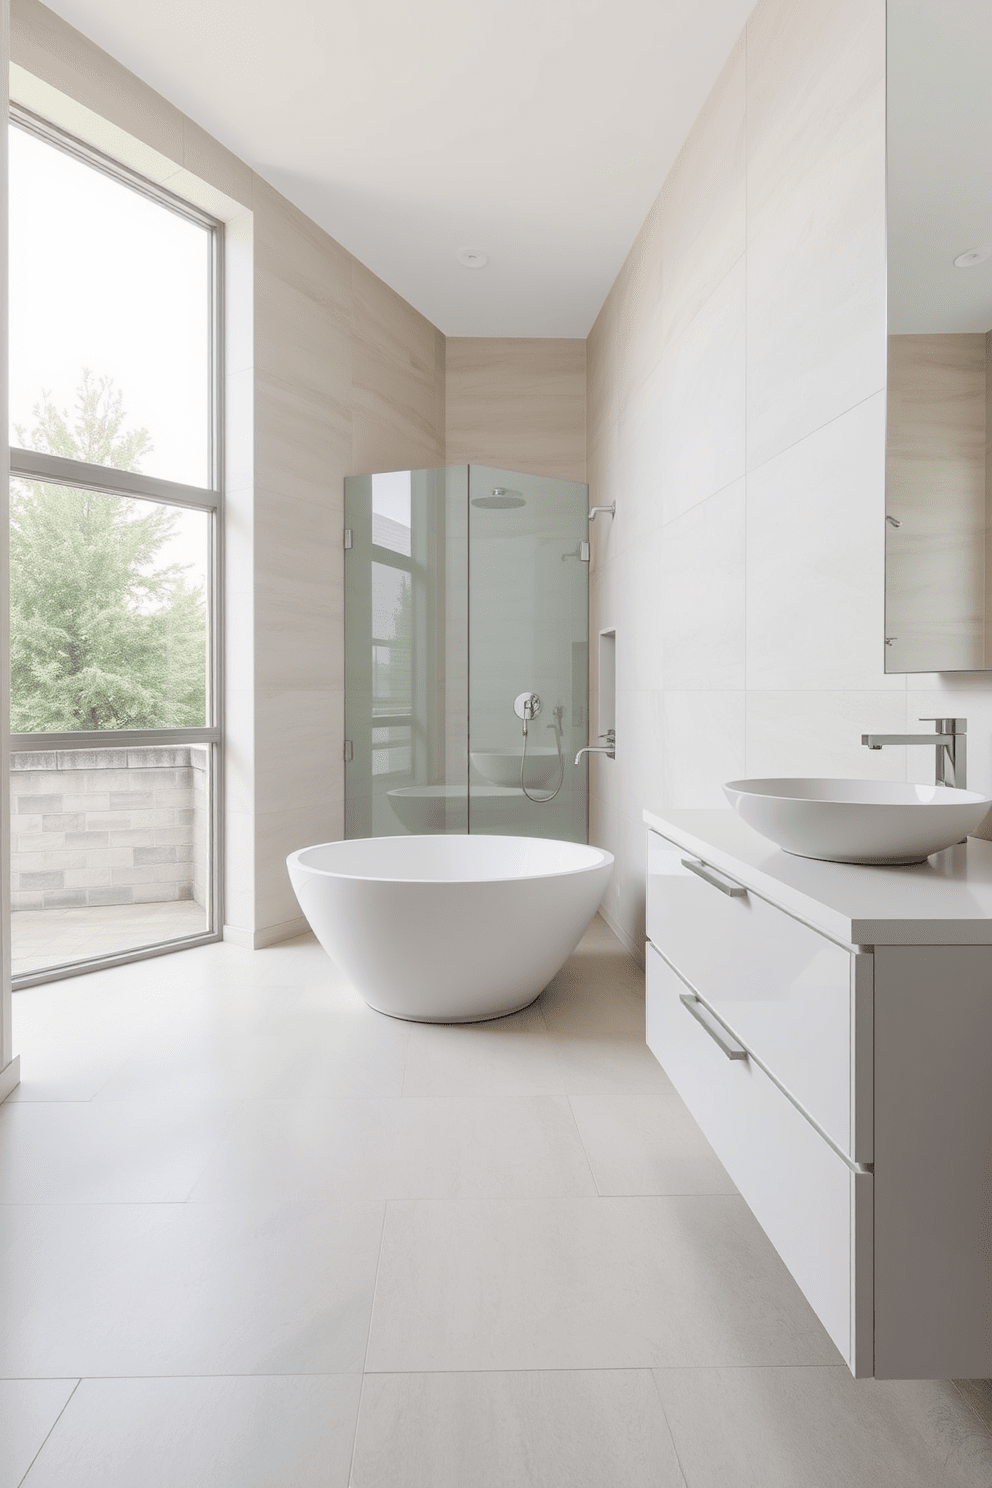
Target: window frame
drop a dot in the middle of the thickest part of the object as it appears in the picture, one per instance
(38, 466)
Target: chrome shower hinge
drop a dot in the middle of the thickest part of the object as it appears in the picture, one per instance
(349, 751)
(347, 537)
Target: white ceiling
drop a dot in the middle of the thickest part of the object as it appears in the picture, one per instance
(537, 130)
(939, 164)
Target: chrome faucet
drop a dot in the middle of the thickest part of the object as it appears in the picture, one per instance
(610, 748)
(950, 743)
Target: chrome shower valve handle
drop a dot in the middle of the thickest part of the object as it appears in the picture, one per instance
(527, 705)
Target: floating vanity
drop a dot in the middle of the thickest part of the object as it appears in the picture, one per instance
(830, 1028)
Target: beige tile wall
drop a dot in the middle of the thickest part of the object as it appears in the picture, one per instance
(736, 415)
(517, 404)
(935, 487)
(328, 372)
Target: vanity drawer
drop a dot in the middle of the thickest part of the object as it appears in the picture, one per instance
(815, 1210)
(794, 998)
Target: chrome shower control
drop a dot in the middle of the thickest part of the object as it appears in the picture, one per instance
(527, 706)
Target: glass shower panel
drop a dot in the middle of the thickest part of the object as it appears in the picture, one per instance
(406, 626)
(528, 627)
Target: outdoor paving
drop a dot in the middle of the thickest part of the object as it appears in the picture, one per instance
(52, 937)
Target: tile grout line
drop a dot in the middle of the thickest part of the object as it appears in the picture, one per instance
(585, 1154)
(671, 1433)
(375, 1284)
(358, 1417)
(48, 1433)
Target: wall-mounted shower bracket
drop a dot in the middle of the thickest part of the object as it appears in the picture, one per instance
(610, 511)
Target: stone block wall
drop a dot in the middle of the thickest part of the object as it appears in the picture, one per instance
(109, 826)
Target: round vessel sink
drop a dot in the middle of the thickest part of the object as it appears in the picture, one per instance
(857, 821)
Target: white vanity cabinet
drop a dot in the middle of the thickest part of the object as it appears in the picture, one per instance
(830, 1028)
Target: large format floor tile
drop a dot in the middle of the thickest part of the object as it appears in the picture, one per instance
(227, 1187)
(819, 1428)
(29, 1409)
(643, 1141)
(585, 1284)
(604, 1063)
(318, 1050)
(82, 1152)
(575, 1429)
(509, 1056)
(600, 989)
(262, 1432)
(77, 1035)
(429, 1148)
(110, 1289)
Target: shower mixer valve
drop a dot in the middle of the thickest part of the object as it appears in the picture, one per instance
(527, 706)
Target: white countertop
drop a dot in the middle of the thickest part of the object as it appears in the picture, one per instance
(945, 901)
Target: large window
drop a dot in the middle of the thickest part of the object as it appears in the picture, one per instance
(115, 498)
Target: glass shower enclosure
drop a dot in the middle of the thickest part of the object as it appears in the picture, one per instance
(466, 653)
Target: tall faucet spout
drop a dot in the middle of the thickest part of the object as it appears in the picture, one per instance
(950, 743)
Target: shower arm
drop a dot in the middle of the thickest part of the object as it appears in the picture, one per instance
(595, 511)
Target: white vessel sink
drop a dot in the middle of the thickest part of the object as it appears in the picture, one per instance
(857, 821)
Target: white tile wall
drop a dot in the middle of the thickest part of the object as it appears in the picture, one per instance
(815, 215)
(742, 435)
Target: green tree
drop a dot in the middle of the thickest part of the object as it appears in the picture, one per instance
(101, 636)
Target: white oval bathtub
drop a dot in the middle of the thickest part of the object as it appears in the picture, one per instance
(449, 929)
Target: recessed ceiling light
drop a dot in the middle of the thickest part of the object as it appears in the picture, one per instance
(473, 258)
(972, 257)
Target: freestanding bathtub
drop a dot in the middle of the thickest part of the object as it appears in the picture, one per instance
(449, 929)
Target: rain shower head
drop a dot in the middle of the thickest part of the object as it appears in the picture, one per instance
(500, 498)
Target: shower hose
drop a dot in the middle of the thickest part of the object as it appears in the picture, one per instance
(541, 800)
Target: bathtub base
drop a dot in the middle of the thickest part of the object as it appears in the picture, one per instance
(469, 1018)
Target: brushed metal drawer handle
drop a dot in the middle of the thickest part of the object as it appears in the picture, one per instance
(730, 1047)
(710, 876)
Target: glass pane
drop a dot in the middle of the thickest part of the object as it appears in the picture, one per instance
(406, 634)
(528, 622)
(392, 641)
(391, 511)
(109, 320)
(110, 851)
(108, 612)
(392, 751)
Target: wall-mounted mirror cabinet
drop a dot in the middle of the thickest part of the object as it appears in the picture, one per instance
(938, 538)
